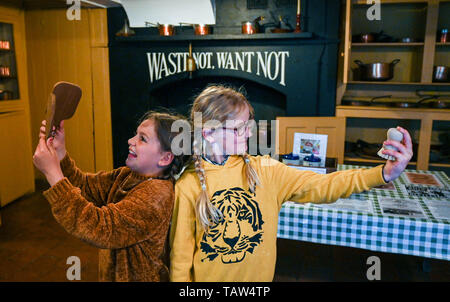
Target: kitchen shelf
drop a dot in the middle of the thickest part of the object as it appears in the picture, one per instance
(417, 19)
(262, 36)
(397, 83)
(389, 111)
(440, 165)
(9, 82)
(393, 44)
(364, 2)
(425, 115)
(373, 161)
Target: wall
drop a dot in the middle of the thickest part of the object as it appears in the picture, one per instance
(16, 167)
(73, 51)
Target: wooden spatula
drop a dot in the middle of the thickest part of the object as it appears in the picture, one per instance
(62, 104)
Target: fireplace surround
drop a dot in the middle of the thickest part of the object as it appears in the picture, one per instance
(281, 74)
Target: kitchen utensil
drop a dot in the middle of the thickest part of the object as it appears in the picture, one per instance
(367, 38)
(126, 31)
(439, 102)
(435, 99)
(202, 29)
(404, 103)
(422, 93)
(441, 74)
(5, 71)
(372, 37)
(166, 30)
(364, 101)
(281, 30)
(408, 40)
(376, 71)
(5, 95)
(62, 104)
(282, 26)
(364, 38)
(356, 102)
(163, 29)
(381, 37)
(443, 36)
(248, 28)
(252, 27)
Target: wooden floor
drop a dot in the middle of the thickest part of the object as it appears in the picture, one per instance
(33, 247)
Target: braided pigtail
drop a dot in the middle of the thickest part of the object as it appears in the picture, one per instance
(250, 173)
(205, 210)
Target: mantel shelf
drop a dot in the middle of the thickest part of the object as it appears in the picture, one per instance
(265, 36)
(392, 44)
(360, 109)
(398, 83)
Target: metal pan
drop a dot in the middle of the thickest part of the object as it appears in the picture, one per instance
(438, 103)
(364, 101)
(379, 71)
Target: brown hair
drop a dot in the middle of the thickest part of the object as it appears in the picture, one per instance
(217, 102)
(163, 128)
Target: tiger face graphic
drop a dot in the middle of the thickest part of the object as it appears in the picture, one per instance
(240, 230)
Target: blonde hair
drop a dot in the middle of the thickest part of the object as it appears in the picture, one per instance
(217, 102)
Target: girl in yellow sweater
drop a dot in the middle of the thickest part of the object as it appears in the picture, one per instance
(225, 219)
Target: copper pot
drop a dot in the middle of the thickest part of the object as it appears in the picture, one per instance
(367, 38)
(248, 28)
(163, 29)
(202, 29)
(376, 71)
(5, 95)
(166, 29)
(441, 74)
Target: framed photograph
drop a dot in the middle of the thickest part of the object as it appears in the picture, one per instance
(307, 144)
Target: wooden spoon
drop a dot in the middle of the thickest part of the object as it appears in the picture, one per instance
(62, 104)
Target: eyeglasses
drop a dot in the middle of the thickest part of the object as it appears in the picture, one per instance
(241, 130)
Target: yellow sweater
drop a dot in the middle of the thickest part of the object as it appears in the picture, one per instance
(242, 247)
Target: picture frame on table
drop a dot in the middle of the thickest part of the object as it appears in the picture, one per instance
(307, 144)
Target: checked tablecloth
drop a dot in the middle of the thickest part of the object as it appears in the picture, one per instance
(377, 231)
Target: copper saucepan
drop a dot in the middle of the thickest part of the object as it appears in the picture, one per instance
(202, 29)
(441, 74)
(163, 29)
(252, 27)
(376, 71)
(199, 29)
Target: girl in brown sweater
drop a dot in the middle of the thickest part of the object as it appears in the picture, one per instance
(125, 212)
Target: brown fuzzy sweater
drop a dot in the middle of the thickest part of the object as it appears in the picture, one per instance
(121, 212)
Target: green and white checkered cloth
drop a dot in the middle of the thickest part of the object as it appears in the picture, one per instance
(426, 237)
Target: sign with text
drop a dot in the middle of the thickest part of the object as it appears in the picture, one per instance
(268, 64)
